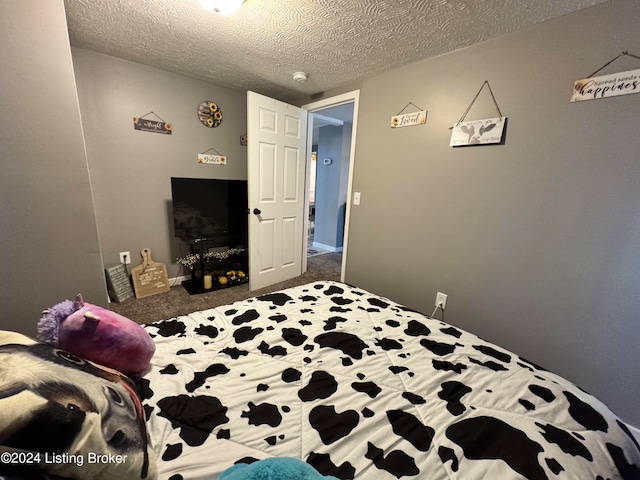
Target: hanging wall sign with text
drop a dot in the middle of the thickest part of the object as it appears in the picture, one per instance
(478, 132)
(212, 159)
(153, 126)
(614, 85)
(409, 119)
(210, 114)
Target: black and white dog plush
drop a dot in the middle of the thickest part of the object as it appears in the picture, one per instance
(82, 419)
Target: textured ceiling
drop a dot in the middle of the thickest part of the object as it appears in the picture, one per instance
(336, 42)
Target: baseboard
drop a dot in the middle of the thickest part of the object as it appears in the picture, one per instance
(327, 247)
(178, 280)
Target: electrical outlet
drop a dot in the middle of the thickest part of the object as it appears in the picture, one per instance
(125, 257)
(441, 300)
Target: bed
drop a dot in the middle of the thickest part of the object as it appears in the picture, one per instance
(360, 387)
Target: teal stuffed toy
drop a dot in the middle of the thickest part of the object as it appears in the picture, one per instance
(283, 468)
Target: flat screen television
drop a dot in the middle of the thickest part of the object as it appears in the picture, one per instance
(209, 209)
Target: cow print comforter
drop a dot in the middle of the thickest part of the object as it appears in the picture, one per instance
(363, 388)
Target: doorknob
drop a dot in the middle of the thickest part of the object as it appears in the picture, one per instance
(257, 211)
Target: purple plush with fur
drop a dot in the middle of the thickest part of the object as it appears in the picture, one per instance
(97, 334)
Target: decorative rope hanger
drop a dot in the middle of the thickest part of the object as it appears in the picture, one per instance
(407, 106)
(486, 82)
(209, 149)
(610, 62)
(153, 113)
(478, 132)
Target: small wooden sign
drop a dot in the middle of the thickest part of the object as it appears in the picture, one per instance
(118, 284)
(212, 159)
(409, 119)
(614, 85)
(149, 278)
(153, 126)
(478, 132)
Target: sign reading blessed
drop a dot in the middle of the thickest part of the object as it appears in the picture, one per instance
(212, 159)
(153, 126)
(477, 132)
(614, 85)
(409, 119)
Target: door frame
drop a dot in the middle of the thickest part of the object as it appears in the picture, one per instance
(349, 97)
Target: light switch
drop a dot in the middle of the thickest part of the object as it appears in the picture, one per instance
(356, 198)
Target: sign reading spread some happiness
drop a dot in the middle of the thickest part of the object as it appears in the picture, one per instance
(409, 119)
(616, 84)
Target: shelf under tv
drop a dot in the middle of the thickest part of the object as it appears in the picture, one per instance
(236, 262)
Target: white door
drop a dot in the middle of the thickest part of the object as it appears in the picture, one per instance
(277, 142)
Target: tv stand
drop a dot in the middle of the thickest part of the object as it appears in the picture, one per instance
(202, 245)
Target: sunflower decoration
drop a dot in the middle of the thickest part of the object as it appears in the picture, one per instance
(210, 114)
(229, 277)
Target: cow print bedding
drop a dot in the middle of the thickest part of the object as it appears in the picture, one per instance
(363, 388)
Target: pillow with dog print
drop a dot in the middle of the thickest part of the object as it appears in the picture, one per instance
(63, 416)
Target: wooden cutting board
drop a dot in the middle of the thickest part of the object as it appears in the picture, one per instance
(149, 278)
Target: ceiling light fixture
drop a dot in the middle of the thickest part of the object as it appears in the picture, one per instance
(300, 77)
(223, 7)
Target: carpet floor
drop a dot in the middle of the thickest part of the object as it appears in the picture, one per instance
(178, 302)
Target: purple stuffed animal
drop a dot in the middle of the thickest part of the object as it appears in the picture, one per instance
(97, 334)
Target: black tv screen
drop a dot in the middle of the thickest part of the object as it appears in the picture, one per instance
(205, 208)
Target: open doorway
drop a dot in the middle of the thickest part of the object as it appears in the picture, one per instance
(329, 178)
(331, 142)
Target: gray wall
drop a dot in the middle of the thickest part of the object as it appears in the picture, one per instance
(49, 248)
(537, 241)
(131, 170)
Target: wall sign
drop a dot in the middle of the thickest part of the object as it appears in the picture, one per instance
(409, 119)
(210, 114)
(477, 132)
(154, 126)
(614, 85)
(212, 159)
(217, 159)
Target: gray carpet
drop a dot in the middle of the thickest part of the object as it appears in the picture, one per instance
(178, 302)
